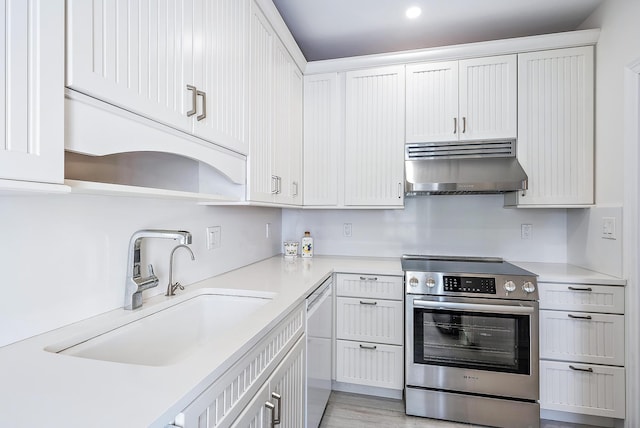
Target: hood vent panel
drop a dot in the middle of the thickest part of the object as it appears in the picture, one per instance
(454, 168)
(461, 150)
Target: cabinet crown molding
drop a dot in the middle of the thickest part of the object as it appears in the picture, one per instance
(456, 52)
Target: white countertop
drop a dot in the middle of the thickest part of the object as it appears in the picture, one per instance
(565, 273)
(41, 388)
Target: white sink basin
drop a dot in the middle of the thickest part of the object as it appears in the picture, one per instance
(169, 335)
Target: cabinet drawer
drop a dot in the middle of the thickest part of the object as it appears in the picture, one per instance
(583, 337)
(582, 297)
(369, 320)
(370, 286)
(587, 389)
(369, 364)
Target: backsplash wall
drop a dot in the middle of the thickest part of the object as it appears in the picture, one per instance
(475, 225)
(64, 258)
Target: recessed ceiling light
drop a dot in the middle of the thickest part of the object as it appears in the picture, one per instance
(413, 12)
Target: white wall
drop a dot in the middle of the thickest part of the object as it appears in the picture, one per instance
(475, 225)
(64, 258)
(618, 46)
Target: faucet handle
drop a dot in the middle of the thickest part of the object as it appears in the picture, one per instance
(151, 273)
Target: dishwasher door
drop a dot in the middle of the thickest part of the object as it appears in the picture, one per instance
(319, 322)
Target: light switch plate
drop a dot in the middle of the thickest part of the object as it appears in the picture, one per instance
(609, 228)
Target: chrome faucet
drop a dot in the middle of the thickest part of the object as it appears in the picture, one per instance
(136, 283)
(171, 287)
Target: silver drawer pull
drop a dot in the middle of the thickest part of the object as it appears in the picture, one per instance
(580, 317)
(362, 302)
(276, 419)
(580, 289)
(371, 347)
(370, 278)
(578, 369)
(269, 405)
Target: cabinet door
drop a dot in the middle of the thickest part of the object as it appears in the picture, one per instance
(287, 122)
(31, 77)
(137, 55)
(221, 41)
(488, 98)
(555, 126)
(261, 184)
(374, 155)
(257, 414)
(288, 381)
(432, 102)
(321, 139)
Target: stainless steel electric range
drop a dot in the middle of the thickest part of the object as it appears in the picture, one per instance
(471, 341)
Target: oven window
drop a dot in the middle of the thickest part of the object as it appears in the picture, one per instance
(483, 341)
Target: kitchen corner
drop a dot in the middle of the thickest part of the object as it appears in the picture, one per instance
(82, 392)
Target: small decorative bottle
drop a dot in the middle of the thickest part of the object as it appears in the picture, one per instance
(307, 245)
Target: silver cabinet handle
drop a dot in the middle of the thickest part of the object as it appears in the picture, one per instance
(294, 187)
(464, 125)
(269, 405)
(204, 105)
(368, 278)
(399, 190)
(194, 100)
(580, 289)
(579, 369)
(362, 302)
(275, 420)
(580, 317)
(279, 185)
(455, 125)
(371, 347)
(274, 184)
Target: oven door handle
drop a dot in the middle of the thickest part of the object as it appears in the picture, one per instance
(474, 307)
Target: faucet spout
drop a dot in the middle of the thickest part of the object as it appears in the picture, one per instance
(171, 287)
(135, 282)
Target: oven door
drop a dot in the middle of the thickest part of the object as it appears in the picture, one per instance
(481, 346)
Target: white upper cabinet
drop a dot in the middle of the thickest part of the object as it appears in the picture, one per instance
(555, 127)
(474, 99)
(178, 62)
(32, 79)
(374, 137)
(321, 139)
(275, 154)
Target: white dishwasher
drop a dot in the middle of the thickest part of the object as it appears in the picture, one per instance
(319, 322)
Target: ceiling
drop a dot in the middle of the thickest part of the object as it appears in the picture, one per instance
(327, 29)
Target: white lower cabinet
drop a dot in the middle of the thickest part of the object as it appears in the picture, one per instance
(369, 334)
(275, 365)
(582, 349)
(280, 401)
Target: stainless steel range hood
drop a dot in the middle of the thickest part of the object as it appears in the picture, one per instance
(463, 168)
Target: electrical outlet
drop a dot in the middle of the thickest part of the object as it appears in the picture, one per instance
(214, 237)
(346, 230)
(526, 231)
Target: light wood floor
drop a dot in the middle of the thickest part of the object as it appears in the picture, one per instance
(360, 411)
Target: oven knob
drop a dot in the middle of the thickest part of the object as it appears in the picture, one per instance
(413, 282)
(431, 282)
(509, 286)
(529, 287)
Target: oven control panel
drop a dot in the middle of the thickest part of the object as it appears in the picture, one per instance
(468, 284)
(453, 284)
